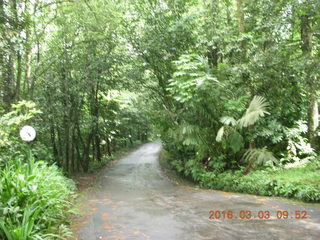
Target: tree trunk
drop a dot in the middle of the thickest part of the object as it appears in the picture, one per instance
(67, 132)
(60, 148)
(98, 149)
(240, 16)
(306, 47)
(108, 147)
(53, 142)
(27, 77)
(85, 158)
(2, 13)
(33, 78)
(27, 53)
(241, 28)
(2, 55)
(19, 75)
(313, 119)
(73, 165)
(8, 95)
(130, 138)
(306, 35)
(85, 155)
(18, 53)
(213, 50)
(78, 155)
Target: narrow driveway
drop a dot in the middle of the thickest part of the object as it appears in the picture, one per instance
(133, 199)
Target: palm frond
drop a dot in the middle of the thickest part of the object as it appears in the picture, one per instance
(189, 134)
(226, 120)
(259, 156)
(257, 108)
(220, 134)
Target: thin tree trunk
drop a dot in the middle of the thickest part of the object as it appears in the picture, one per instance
(27, 77)
(66, 145)
(27, 46)
(306, 35)
(78, 155)
(2, 13)
(73, 166)
(86, 152)
(98, 149)
(8, 95)
(241, 28)
(86, 149)
(53, 142)
(60, 149)
(18, 53)
(19, 75)
(2, 55)
(33, 78)
(213, 50)
(108, 147)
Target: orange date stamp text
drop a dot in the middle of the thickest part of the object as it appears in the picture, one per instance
(262, 214)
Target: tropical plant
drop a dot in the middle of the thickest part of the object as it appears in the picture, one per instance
(257, 157)
(257, 108)
(231, 131)
(33, 203)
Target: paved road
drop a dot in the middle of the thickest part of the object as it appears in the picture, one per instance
(133, 199)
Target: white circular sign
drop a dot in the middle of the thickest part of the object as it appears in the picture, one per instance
(27, 133)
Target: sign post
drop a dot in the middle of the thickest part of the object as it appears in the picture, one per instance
(28, 134)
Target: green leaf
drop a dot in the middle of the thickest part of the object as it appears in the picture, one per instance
(236, 141)
(220, 134)
(257, 108)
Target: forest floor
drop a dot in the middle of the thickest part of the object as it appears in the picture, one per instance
(132, 198)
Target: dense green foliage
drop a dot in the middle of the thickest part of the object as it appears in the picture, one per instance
(302, 182)
(34, 196)
(33, 204)
(239, 90)
(232, 86)
(63, 57)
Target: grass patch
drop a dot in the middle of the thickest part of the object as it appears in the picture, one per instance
(309, 174)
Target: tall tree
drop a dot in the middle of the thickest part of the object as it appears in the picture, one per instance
(307, 48)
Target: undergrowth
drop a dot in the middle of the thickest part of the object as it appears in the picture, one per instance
(34, 201)
(302, 183)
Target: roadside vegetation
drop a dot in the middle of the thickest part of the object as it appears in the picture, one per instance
(232, 87)
(35, 196)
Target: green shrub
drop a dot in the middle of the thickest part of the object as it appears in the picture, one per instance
(301, 183)
(261, 183)
(33, 203)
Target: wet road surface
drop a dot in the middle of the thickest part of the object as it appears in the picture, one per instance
(133, 199)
